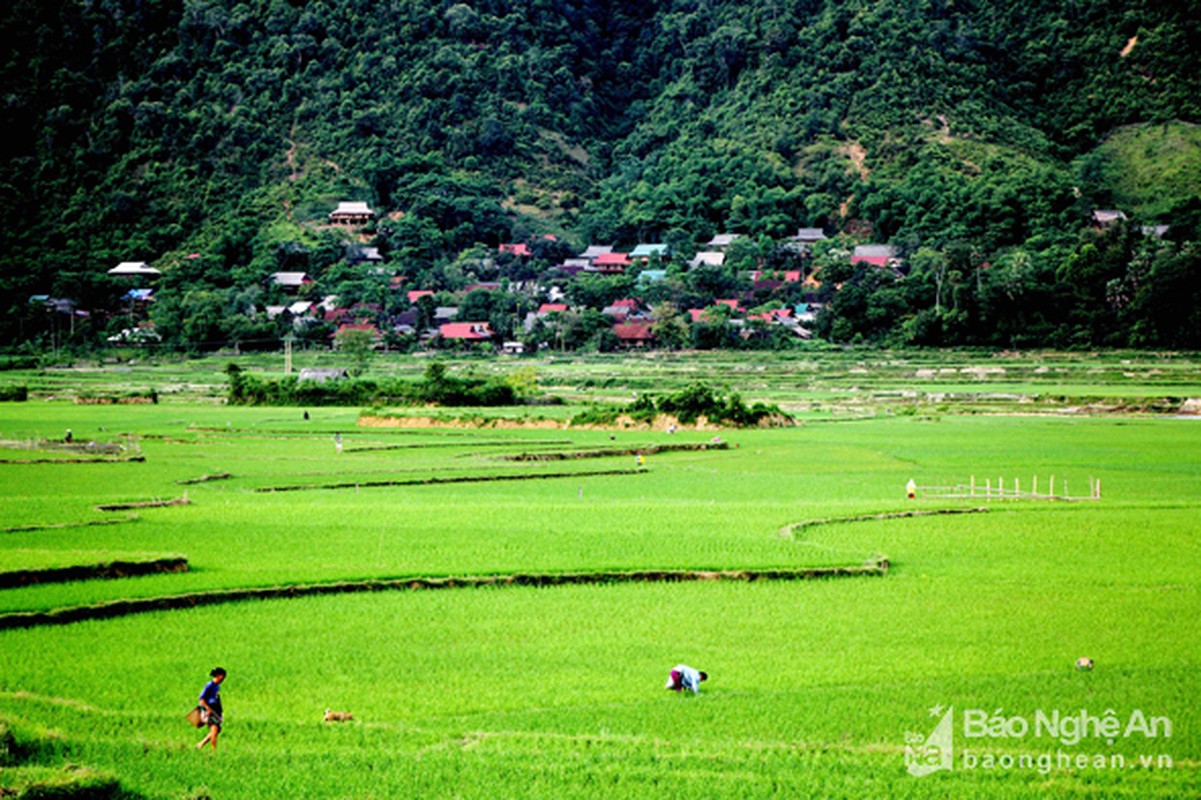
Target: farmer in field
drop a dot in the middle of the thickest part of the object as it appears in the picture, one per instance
(685, 677)
(210, 701)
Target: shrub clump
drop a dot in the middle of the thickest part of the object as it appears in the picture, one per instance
(436, 387)
(689, 405)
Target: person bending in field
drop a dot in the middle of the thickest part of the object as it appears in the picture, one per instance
(210, 701)
(685, 677)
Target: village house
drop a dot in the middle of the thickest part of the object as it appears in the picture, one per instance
(610, 263)
(645, 252)
(722, 240)
(466, 331)
(290, 281)
(808, 236)
(376, 336)
(134, 269)
(707, 258)
(592, 252)
(300, 308)
(517, 249)
(351, 213)
(1104, 217)
(357, 254)
(878, 255)
(634, 334)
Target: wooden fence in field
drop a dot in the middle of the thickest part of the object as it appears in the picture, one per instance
(1000, 488)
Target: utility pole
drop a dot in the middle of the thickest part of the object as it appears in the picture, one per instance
(288, 354)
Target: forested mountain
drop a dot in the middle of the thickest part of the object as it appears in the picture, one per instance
(970, 134)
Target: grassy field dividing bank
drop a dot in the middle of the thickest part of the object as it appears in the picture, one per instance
(549, 686)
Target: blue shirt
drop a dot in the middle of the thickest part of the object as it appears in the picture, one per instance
(211, 694)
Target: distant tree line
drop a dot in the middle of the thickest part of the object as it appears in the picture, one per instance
(212, 138)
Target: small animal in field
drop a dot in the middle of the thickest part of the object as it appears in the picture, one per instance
(337, 716)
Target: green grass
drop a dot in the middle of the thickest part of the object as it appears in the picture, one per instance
(557, 692)
(1150, 168)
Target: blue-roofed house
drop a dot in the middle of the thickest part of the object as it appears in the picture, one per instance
(648, 251)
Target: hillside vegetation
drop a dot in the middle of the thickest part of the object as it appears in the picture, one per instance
(227, 131)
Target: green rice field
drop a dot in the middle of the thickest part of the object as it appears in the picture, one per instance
(308, 564)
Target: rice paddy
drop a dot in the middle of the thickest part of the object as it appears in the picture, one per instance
(523, 683)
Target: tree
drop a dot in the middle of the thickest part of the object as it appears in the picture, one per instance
(358, 345)
(668, 326)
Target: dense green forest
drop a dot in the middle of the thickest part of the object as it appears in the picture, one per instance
(211, 138)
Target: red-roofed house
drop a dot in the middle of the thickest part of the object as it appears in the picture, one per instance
(773, 315)
(878, 255)
(732, 303)
(417, 294)
(517, 249)
(634, 334)
(551, 308)
(466, 331)
(611, 262)
(375, 334)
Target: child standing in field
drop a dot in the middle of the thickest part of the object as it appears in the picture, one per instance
(685, 677)
(210, 701)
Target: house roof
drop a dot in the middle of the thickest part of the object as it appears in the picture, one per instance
(873, 250)
(474, 331)
(732, 303)
(549, 308)
(140, 295)
(611, 259)
(596, 250)
(517, 249)
(723, 239)
(652, 275)
(357, 326)
(708, 258)
(353, 208)
(878, 255)
(364, 254)
(417, 294)
(774, 314)
(633, 331)
(649, 250)
(809, 235)
(1107, 216)
(290, 278)
(139, 268)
